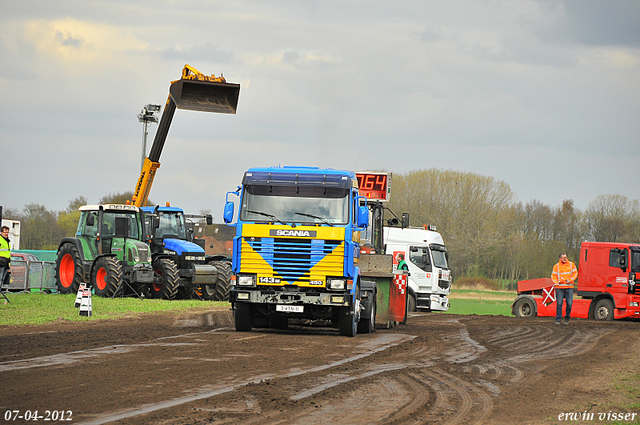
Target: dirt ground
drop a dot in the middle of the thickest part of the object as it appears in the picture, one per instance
(195, 369)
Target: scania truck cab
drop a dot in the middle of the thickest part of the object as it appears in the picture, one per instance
(426, 256)
(297, 247)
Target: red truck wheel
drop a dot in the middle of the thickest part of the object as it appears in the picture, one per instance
(525, 307)
(603, 310)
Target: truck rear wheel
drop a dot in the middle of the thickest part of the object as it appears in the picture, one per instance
(242, 317)
(603, 310)
(223, 284)
(106, 276)
(367, 323)
(165, 280)
(525, 307)
(68, 269)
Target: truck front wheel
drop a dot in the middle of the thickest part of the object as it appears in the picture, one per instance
(68, 269)
(411, 302)
(603, 310)
(165, 280)
(348, 323)
(106, 276)
(242, 317)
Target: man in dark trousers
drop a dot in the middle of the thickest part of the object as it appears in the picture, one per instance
(564, 275)
(5, 255)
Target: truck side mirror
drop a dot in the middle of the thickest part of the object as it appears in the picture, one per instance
(405, 220)
(155, 222)
(91, 220)
(228, 212)
(363, 217)
(209, 219)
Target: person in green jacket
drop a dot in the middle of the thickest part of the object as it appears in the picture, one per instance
(402, 265)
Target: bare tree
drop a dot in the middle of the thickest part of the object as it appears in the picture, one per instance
(610, 218)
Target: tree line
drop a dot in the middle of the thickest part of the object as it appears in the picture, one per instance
(487, 231)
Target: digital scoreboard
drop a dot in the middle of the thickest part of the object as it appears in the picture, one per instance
(374, 186)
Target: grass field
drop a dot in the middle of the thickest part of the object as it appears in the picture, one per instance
(38, 308)
(482, 302)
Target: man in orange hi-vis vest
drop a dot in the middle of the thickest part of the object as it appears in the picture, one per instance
(564, 275)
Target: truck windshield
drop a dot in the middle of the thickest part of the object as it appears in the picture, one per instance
(439, 259)
(635, 260)
(172, 225)
(295, 204)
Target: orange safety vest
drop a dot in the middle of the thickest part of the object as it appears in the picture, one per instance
(564, 275)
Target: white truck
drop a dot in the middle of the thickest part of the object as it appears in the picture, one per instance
(14, 232)
(429, 280)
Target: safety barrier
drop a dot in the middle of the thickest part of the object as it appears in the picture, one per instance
(32, 276)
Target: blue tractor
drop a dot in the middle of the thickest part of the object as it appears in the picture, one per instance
(181, 267)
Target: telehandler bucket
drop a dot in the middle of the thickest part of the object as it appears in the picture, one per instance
(206, 96)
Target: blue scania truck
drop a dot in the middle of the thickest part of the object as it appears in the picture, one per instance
(297, 248)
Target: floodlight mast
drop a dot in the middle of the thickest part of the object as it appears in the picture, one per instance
(146, 116)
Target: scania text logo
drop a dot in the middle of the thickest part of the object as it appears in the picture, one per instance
(295, 233)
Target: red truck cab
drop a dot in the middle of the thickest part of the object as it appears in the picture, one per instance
(607, 286)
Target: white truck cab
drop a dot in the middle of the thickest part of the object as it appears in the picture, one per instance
(429, 280)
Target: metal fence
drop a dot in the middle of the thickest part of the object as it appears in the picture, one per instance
(32, 276)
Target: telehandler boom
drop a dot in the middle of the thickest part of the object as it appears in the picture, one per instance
(194, 91)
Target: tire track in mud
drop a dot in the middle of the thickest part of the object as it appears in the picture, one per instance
(451, 377)
(434, 395)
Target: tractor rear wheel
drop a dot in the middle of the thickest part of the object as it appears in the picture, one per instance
(165, 280)
(223, 284)
(106, 276)
(68, 269)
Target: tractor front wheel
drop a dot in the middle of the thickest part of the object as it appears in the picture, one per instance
(106, 276)
(165, 280)
(223, 284)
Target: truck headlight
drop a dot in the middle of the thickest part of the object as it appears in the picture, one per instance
(246, 280)
(336, 284)
(242, 296)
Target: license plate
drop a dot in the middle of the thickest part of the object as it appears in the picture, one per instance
(290, 308)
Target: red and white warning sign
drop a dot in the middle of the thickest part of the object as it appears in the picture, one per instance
(400, 280)
(549, 295)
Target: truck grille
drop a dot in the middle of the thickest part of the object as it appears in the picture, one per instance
(291, 259)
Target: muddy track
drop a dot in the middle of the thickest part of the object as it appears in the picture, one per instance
(195, 369)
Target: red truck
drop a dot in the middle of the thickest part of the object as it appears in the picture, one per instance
(608, 285)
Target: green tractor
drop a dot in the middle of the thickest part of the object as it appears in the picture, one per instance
(107, 252)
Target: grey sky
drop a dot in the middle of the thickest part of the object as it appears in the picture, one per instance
(544, 95)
